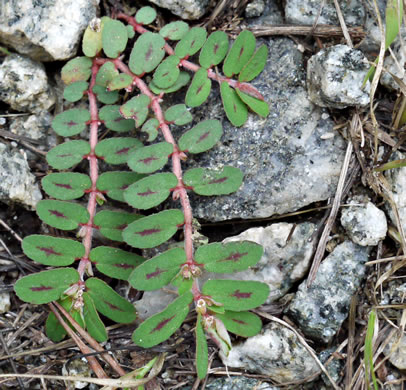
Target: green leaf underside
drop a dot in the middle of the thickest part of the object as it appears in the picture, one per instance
(239, 54)
(74, 92)
(105, 96)
(145, 15)
(150, 158)
(151, 128)
(106, 73)
(53, 251)
(115, 262)
(154, 229)
(230, 257)
(78, 69)
(191, 42)
(182, 80)
(237, 295)
(167, 72)
(108, 302)
(234, 107)
(199, 89)
(53, 329)
(68, 154)
(115, 183)
(45, 286)
(255, 65)
(114, 38)
(241, 323)
(70, 122)
(147, 53)
(258, 106)
(136, 108)
(92, 41)
(217, 309)
(202, 353)
(150, 191)
(214, 182)
(112, 223)
(202, 137)
(66, 185)
(116, 150)
(163, 325)
(113, 120)
(94, 324)
(120, 82)
(178, 114)
(158, 271)
(174, 30)
(214, 50)
(62, 215)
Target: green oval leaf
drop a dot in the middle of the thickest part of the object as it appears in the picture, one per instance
(71, 122)
(150, 191)
(154, 229)
(105, 96)
(213, 182)
(145, 15)
(113, 120)
(151, 128)
(234, 107)
(74, 92)
(255, 65)
(163, 325)
(116, 150)
(94, 324)
(54, 251)
(258, 106)
(199, 89)
(53, 329)
(182, 80)
(114, 37)
(130, 32)
(147, 53)
(66, 185)
(92, 38)
(77, 69)
(202, 353)
(158, 271)
(121, 81)
(45, 286)
(174, 30)
(237, 295)
(115, 262)
(105, 74)
(240, 53)
(108, 302)
(115, 183)
(241, 323)
(202, 137)
(178, 114)
(228, 258)
(62, 215)
(214, 50)
(137, 109)
(167, 72)
(112, 223)
(68, 154)
(191, 43)
(150, 158)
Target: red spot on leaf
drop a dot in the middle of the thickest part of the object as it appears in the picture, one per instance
(162, 324)
(57, 214)
(119, 119)
(112, 307)
(123, 151)
(49, 251)
(217, 181)
(199, 90)
(235, 256)
(71, 123)
(215, 48)
(146, 193)
(239, 321)
(148, 160)
(64, 155)
(203, 136)
(154, 274)
(148, 232)
(192, 43)
(67, 186)
(41, 288)
(241, 52)
(234, 107)
(121, 227)
(241, 295)
(125, 186)
(149, 52)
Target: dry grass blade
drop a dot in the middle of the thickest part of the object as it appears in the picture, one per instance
(342, 24)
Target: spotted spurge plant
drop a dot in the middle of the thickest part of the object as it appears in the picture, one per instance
(125, 90)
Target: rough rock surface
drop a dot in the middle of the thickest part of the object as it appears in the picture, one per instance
(398, 349)
(34, 126)
(335, 76)
(17, 183)
(24, 84)
(45, 30)
(239, 383)
(153, 302)
(255, 8)
(275, 352)
(364, 223)
(290, 159)
(321, 309)
(396, 63)
(5, 302)
(271, 14)
(306, 11)
(186, 9)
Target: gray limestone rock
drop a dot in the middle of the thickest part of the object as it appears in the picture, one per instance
(364, 223)
(306, 11)
(255, 8)
(239, 383)
(34, 126)
(289, 160)
(186, 9)
(24, 84)
(396, 350)
(45, 30)
(271, 14)
(321, 309)
(395, 63)
(275, 352)
(153, 302)
(335, 76)
(17, 183)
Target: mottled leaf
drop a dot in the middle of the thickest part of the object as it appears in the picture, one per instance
(213, 182)
(258, 106)
(163, 325)
(136, 108)
(68, 154)
(150, 158)
(121, 81)
(199, 89)
(241, 323)
(158, 271)
(151, 128)
(174, 30)
(92, 38)
(71, 122)
(182, 80)
(115, 183)
(154, 229)
(145, 15)
(116, 150)
(214, 50)
(54, 251)
(178, 114)
(94, 324)
(167, 72)
(202, 353)
(234, 107)
(114, 38)
(113, 120)
(191, 42)
(66, 185)
(74, 92)
(77, 69)
(45, 286)
(255, 65)
(106, 73)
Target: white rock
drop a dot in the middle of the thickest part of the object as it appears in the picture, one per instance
(5, 303)
(396, 349)
(186, 9)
